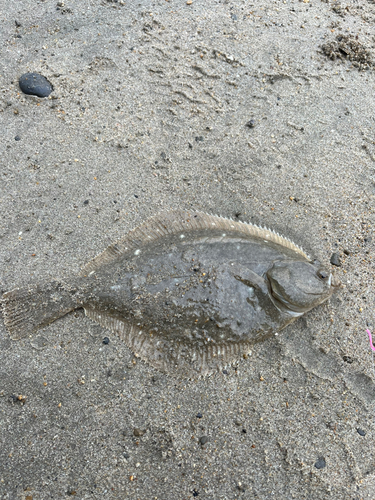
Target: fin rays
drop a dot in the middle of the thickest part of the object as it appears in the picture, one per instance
(169, 223)
(181, 358)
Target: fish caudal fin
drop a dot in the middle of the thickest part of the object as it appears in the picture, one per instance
(28, 309)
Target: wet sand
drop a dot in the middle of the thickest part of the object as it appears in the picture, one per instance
(262, 112)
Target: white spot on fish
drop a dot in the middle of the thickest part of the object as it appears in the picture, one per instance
(223, 235)
(238, 247)
(182, 236)
(137, 252)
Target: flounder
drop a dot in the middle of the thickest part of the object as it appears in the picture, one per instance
(187, 292)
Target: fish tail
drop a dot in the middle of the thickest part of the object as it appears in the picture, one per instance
(28, 309)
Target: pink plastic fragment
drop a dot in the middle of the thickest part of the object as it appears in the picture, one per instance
(370, 338)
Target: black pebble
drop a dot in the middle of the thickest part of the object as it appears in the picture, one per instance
(106, 340)
(195, 493)
(126, 455)
(251, 123)
(203, 440)
(225, 372)
(321, 463)
(199, 138)
(86, 202)
(348, 359)
(17, 138)
(361, 432)
(199, 415)
(35, 84)
(335, 260)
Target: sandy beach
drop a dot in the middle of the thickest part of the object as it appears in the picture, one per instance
(260, 111)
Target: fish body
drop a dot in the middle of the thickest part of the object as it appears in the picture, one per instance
(187, 292)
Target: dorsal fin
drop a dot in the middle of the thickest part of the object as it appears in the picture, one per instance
(168, 223)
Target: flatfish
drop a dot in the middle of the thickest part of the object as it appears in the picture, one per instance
(187, 292)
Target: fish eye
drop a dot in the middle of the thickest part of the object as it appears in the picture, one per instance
(323, 275)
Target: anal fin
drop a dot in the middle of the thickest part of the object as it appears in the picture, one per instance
(182, 358)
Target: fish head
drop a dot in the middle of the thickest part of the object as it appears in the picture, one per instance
(300, 285)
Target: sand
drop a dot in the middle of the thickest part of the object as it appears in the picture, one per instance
(150, 111)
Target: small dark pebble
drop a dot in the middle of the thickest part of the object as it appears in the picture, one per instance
(106, 340)
(17, 399)
(135, 196)
(17, 138)
(199, 415)
(348, 359)
(195, 493)
(126, 455)
(199, 138)
(35, 84)
(346, 252)
(244, 431)
(86, 202)
(225, 372)
(138, 432)
(335, 259)
(251, 123)
(361, 432)
(321, 463)
(203, 440)
(18, 24)
(71, 492)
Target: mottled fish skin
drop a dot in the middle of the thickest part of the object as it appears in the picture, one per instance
(188, 297)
